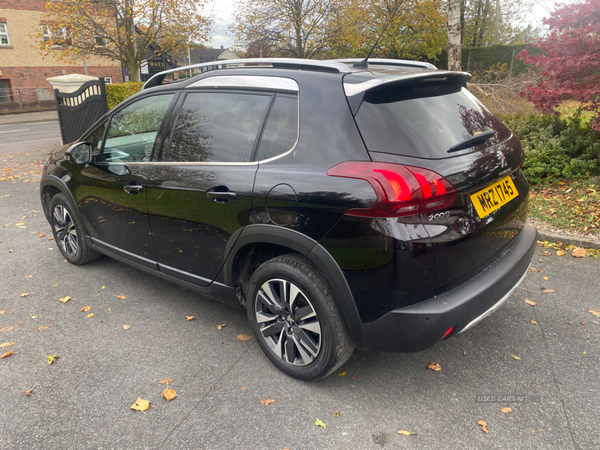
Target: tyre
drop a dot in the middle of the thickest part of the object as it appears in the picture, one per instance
(68, 232)
(296, 320)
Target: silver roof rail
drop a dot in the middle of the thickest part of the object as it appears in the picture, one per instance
(293, 63)
(388, 62)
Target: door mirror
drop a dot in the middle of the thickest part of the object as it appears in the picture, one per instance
(80, 153)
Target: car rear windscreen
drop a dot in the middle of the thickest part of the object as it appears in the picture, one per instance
(425, 120)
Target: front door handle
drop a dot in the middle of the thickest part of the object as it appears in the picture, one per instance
(221, 196)
(133, 189)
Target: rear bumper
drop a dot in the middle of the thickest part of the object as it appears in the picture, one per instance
(417, 327)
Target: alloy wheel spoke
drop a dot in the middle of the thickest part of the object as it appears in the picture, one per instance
(304, 313)
(313, 327)
(308, 342)
(270, 330)
(290, 350)
(306, 357)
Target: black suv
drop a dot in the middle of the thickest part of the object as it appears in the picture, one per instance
(339, 204)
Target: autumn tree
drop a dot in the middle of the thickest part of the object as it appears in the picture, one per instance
(123, 30)
(296, 28)
(570, 60)
(415, 30)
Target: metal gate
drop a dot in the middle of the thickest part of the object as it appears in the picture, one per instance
(77, 111)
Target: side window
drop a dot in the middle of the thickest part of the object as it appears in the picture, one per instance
(281, 131)
(132, 131)
(218, 127)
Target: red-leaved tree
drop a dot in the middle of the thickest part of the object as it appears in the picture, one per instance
(570, 60)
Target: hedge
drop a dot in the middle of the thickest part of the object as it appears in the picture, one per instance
(118, 92)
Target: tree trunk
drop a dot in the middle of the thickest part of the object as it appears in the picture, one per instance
(454, 33)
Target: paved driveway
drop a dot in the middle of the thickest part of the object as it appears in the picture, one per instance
(83, 400)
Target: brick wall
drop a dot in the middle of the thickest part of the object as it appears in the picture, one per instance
(36, 76)
(24, 5)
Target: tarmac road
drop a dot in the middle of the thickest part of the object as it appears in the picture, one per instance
(83, 400)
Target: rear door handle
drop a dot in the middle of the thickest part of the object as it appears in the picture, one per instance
(132, 188)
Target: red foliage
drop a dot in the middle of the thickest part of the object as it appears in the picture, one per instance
(570, 60)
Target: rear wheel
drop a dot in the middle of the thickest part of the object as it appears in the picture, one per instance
(296, 320)
(68, 232)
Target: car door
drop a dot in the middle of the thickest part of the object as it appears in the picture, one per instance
(111, 190)
(201, 191)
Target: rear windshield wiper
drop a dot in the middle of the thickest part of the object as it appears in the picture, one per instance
(473, 140)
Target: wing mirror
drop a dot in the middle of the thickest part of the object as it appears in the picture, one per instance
(80, 153)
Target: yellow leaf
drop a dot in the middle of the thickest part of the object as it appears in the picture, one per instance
(320, 423)
(126, 327)
(579, 252)
(595, 313)
(52, 358)
(120, 297)
(530, 303)
(548, 291)
(44, 327)
(189, 318)
(25, 294)
(434, 366)
(2, 312)
(29, 391)
(28, 276)
(483, 426)
(65, 300)
(244, 337)
(267, 402)
(141, 405)
(515, 357)
(169, 394)
(9, 328)
(505, 410)
(561, 253)
(10, 352)
(404, 433)
(244, 389)
(7, 344)
(166, 381)
(546, 278)
(90, 315)
(85, 309)
(220, 327)
(42, 234)
(533, 322)
(341, 374)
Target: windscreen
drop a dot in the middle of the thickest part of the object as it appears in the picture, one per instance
(425, 120)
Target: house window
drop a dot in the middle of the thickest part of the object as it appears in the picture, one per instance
(46, 33)
(57, 35)
(99, 39)
(4, 34)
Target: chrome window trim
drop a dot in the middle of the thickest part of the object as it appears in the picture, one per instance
(246, 81)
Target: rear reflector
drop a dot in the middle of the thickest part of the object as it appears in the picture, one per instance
(447, 333)
(401, 190)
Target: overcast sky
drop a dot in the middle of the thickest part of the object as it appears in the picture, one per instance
(224, 9)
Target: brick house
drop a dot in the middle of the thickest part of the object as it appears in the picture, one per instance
(22, 63)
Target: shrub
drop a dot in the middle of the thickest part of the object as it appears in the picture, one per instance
(118, 92)
(556, 147)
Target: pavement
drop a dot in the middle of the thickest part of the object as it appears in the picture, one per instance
(32, 117)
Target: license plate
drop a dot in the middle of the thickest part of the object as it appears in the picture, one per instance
(493, 197)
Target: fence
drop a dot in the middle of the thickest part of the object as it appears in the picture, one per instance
(23, 99)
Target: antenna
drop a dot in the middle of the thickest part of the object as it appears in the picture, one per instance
(364, 63)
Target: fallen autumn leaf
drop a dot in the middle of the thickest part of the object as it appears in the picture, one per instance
(52, 358)
(126, 327)
(404, 433)
(220, 327)
(65, 300)
(320, 423)
(579, 252)
(10, 352)
(189, 318)
(85, 309)
(120, 297)
(169, 394)
(267, 402)
(7, 344)
(141, 405)
(166, 381)
(244, 337)
(434, 366)
(515, 357)
(505, 410)
(529, 302)
(595, 313)
(483, 426)
(25, 294)
(90, 315)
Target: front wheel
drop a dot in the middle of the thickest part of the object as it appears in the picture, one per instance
(68, 232)
(296, 320)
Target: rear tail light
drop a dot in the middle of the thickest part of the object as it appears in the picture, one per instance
(401, 190)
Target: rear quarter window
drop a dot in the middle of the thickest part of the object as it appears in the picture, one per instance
(424, 120)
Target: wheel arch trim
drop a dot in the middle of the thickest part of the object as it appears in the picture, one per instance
(307, 247)
(56, 182)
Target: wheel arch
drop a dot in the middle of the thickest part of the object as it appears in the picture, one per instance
(51, 186)
(255, 244)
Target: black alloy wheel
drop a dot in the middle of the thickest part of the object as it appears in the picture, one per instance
(296, 320)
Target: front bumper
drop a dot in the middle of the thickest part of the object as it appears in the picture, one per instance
(417, 327)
